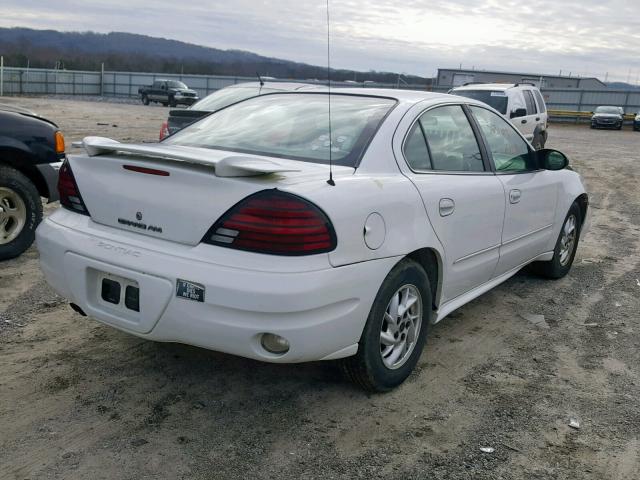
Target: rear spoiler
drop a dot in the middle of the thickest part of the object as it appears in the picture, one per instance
(224, 164)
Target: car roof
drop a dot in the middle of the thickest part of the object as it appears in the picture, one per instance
(491, 86)
(284, 86)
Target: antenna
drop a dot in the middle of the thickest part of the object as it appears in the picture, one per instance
(261, 82)
(330, 181)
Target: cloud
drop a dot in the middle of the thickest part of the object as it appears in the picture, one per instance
(586, 37)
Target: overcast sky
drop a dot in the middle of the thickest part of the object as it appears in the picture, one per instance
(585, 37)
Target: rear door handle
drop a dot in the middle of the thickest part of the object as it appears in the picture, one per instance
(514, 195)
(447, 206)
(524, 121)
(537, 119)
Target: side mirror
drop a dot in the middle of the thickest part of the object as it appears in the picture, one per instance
(519, 112)
(552, 159)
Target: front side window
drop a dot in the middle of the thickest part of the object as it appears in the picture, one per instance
(510, 152)
(292, 125)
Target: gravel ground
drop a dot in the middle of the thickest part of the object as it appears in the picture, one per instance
(82, 400)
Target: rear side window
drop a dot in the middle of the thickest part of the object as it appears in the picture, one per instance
(450, 140)
(415, 149)
(494, 98)
(541, 105)
(531, 103)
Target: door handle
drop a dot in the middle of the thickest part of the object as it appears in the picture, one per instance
(447, 206)
(524, 121)
(514, 195)
(537, 119)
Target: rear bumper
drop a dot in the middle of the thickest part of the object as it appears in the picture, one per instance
(321, 313)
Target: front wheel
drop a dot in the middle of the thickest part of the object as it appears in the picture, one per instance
(395, 332)
(565, 249)
(145, 100)
(20, 212)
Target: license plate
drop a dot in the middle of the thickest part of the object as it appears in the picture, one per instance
(190, 290)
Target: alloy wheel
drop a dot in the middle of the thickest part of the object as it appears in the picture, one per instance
(568, 239)
(400, 326)
(13, 215)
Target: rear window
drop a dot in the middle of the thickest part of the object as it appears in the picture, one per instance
(494, 98)
(292, 125)
(227, 96)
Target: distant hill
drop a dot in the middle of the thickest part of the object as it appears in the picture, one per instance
(131, 52)
(622, 86)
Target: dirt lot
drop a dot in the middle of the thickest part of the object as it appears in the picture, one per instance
(81, 400)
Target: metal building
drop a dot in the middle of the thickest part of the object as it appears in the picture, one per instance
(454, 77)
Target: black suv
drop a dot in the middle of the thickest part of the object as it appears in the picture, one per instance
(31, 151)
(608, 117)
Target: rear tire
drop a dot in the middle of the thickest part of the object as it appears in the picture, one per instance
(145, 99)
(400, 315)
(565, 249)
(20, 212)
(538, 141)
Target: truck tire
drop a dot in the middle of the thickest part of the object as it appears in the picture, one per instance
(172, 102)
(145, 99)
(20, 212)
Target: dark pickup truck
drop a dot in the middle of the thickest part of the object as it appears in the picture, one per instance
(168, 92)
(31, 152)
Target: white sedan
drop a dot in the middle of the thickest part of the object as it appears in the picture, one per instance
(229, 236)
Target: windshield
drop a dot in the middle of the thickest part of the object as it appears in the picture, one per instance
(292, 125)
(611, 110)
(494, 98)
(227, 96)
(175, 84)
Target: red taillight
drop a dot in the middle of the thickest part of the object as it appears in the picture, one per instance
(164, 130)
(276, 223)
(68, 189)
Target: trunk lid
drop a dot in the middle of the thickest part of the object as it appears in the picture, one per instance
(183, 202)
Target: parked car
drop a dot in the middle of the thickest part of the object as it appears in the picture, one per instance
(636, 123)
(607, 117)
(260, 231)
(168, 92)
(178, 119)
(522, 103)
(31, 151)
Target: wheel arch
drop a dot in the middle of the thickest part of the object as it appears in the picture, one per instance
(21, 161)
(431, 261)
(583, 203)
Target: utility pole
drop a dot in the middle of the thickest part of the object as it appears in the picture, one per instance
(1, 76)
